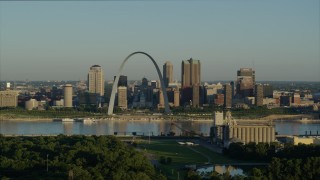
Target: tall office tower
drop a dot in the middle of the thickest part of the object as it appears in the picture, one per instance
(268, 91)
(259, 94)
(122, 97)
(232, 89)
(176, 97)
(190, 73)
(123, 80)
(167, 73)
(195, 95)
(144, 82)
(285, 100)
(67, 93)
(161, 100)
(227, 96)
(190, 77)
(245, 82)
(96, 80)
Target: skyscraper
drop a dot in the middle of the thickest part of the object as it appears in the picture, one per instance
(227, 96)
(167, 73)
(122, 97)
(161, 100)
(268, 91)
(259, 94)
(195, 95)
(245, 82)
(96, 80)
(190, 73)
(123, 80)
(67, 93)
(190, 79)
(176, 97)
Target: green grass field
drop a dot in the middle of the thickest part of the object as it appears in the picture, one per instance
(181, 155)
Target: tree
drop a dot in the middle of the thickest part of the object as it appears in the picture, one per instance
(192, 175)
(274, 169)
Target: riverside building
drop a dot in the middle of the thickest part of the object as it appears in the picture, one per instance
(228, 131)
(8, 98)
(67, 92)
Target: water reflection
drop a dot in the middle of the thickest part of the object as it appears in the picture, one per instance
(67, 128)
(296, 127)
(140, 127)
(221, 169)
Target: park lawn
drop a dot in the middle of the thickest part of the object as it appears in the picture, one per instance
(180, 154)
(216, 158)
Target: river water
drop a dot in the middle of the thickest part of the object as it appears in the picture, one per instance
(122, 127)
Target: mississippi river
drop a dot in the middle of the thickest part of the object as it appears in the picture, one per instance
(122, 127)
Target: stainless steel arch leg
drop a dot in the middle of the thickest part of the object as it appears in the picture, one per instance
(115, 84)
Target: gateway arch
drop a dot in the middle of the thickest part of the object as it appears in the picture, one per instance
(115, 84)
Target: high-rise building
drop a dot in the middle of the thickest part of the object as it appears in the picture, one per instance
(67, 93)
(245, 82)
(232, 89)
(123, 80)
(219, 99)
(161, 100)
(186, 96)
(195, 95)
(267, 91)
(190, 73)
(122, 97)
(167, 73)
(96, 80)
(191, 80)
(285, 100)
(227, 96)
(144, 82)
(259, 95)
(176, 99)
(8, 98)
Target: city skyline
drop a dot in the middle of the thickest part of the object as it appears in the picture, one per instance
(276, 38)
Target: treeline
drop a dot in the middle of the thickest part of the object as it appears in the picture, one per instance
(288, 162)
(279, 169)
(308, 168)
(263, 111)
(51, 113)
(76, 157)
(265, 152)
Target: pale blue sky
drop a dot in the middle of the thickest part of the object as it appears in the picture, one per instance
(56, 40)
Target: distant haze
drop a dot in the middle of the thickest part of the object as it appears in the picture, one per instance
(55, 40)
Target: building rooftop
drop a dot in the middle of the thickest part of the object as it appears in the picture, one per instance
(95, 66)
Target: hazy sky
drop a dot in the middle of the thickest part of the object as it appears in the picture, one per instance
(55, 40)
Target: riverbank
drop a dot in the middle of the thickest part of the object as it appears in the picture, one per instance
(147, 118)
(288, 117)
